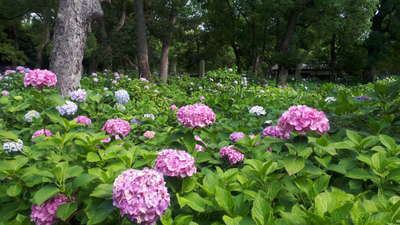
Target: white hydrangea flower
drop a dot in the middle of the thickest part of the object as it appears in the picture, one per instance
(122, 96)
(69, 108)
(13, 146)
(31, 115)
(149, 116)
(95, 79)
(257, 110)
(330, 99)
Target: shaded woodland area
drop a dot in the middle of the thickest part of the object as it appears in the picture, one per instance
(350, 38)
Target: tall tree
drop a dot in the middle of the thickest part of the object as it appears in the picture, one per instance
(141, 41)
(72, 23)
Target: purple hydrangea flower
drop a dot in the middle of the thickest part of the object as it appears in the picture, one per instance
(175, 163)
(84, 120)
(196, 116)
(45, 214)
(117, 127)
(231, 154)
(42, 132)
(236, 136)
(141, 195)
(276, 131)
(68, 109)
(78, 95)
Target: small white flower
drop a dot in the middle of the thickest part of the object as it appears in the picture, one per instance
(95, 79)
(13, 146)
(114, 82)
(219, 85)
(149, 116)
(146, 87)
(330, 99)
(31, 115)
(268, 122)
(94, 74)
(257, 110)
(230, 70)
(105, 89)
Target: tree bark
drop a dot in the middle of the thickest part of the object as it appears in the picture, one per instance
(165, 49)
(297, 73)
(44, 42)
(290, 30)
(70, 33)
(236, 50)
(141, 41)
(202, 68)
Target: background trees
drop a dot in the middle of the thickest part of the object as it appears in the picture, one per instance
(349, 38)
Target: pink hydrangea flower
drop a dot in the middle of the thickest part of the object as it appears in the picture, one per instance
(196, 116)
(202, 98)
(5, 93)
(231, 154)
(149, 134)
(8, 72)
(106, 140)
(236, 136)
(117, 127)
(173, 107)
(276, 131)
(40, 78)
(141, 195)
(175, 163)
(84, 120)
(303, 119)
(42, 132)
(45, 214)
(199, 148)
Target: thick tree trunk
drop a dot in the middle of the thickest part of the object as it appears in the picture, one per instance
(284, 47)
(44, 42)
(141, 41)
(202, 68)
(165, 49)
(297, 73)
(73, 19)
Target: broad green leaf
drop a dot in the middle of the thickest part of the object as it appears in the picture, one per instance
(224, 199)
(231, 221)
(293, 165)
(353, 136)
(44, 194)
(66, 210)
(14, 190)
(261, 210)
(194, 201)
(103, 191)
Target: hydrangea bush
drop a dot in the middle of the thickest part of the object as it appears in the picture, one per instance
(294, 159)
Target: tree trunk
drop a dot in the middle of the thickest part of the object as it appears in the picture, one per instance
(141, 41)
(165, 49)
(174, 65)
(202, 67)
(236, 50)
(73, 19)
(284, 47)
(297, 73)
(283, 76)
(44, 42)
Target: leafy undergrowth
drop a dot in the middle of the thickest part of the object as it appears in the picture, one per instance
(349, 175)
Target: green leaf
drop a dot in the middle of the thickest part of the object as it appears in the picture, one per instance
(224, 199)
(353, 136)
(103, 191)
(97, 213)
(261, 210)
(44, 194)
(231, 221)
(8, 135)
(14, 190)
(359, 174)
(92, 157)
(66, 210)
(293, 165)
(194, 201)
(388, 142)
